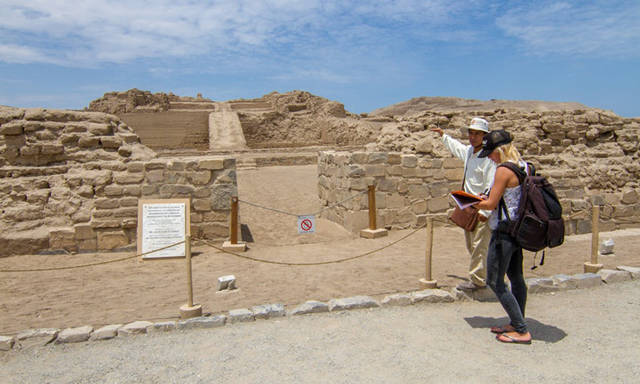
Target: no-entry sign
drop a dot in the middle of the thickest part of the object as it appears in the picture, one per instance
(306, 224)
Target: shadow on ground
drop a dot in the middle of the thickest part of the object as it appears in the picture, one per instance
(539, 331)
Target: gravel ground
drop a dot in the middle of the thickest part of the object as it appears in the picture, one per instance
(580, 336)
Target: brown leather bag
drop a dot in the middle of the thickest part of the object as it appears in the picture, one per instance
(466, 219)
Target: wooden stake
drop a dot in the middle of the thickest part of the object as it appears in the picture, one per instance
(232, 245)
(595, 233)
(372, 208)
(427, 283)
(189, 310)
(233, 236)
(187, 245)
(373, 232)
(593, 266)
(429, 247)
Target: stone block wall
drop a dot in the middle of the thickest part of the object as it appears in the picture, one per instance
(410, 188)
(72, 181)
(208, 182)
(599, 147)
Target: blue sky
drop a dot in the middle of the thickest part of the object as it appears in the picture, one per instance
(365, 54)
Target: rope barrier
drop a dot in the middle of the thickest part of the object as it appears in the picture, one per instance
(443, 220)
(267, 208)
(575, 214)
(311, 264)
(620, 220)
(89, 265)
(340, 202)
(311, 214)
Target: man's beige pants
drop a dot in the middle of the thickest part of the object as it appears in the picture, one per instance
(478, 245)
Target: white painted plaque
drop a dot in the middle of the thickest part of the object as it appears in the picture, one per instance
(160, 224)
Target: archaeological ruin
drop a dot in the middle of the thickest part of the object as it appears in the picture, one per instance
(72, 180)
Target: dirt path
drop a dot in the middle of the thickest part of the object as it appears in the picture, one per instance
(581, 336)
(154, 290)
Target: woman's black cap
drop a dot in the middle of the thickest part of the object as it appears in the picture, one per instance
(493, 140)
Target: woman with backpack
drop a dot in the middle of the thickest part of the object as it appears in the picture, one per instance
(505, 255)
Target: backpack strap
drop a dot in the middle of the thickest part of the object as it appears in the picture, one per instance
(502, 207)
(521, 173)
(466, 164)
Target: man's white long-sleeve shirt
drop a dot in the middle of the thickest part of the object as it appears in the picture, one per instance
(479, 172)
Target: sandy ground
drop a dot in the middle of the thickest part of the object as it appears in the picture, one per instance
(154, 290)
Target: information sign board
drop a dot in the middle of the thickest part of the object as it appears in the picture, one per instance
(163, 222)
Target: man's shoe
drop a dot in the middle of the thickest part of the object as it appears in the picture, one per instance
(468, 286)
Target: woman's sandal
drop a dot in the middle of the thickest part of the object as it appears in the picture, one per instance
(503, 337)
(503, 329)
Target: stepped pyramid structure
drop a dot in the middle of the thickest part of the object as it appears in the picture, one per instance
(289, 120)
(190, 124)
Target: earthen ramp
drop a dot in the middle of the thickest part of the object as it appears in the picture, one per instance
(225, 130)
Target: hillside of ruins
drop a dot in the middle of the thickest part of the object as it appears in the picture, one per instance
(72, 180)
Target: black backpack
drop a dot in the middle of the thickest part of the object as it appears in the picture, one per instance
(539, 224)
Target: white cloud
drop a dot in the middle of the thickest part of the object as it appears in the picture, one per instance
(263, 32)
(86, 33)
(318, 75)
(54, 100)
(576, 28)
(19, 54)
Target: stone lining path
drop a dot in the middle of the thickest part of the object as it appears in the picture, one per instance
(579, 335)
(44, 336)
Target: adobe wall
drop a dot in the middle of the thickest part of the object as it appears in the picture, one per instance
(171, 129)
(72, 180)
(410, 188)
(599, 147)
(589, 156)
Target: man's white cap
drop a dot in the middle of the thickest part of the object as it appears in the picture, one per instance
(477, 124)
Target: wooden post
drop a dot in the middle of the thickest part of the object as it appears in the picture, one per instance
(372, 208)
(232, 245)
(187, 246)
(427, 283)
(429, 247)
(372, 232)
(595, 234)
(189, 310)
(593, 266)
(233, 236)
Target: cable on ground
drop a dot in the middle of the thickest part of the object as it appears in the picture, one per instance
(89, 265)
(314, 263)
(443, 220)
(311, 214)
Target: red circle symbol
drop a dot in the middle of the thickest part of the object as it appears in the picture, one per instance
(306, 224)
